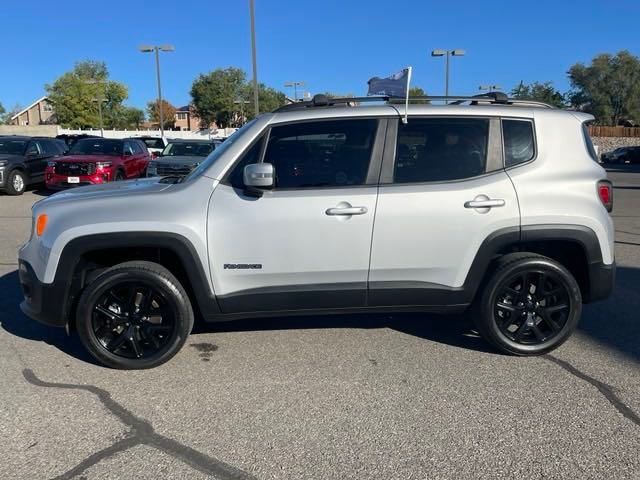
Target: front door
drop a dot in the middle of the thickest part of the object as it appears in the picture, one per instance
(304, 244)
(443, 192)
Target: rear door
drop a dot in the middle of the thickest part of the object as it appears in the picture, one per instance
(443, 192)
(304, 244)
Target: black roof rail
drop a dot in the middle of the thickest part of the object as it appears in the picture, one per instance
(496, 98)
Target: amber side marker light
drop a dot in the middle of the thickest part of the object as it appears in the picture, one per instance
(41, 224)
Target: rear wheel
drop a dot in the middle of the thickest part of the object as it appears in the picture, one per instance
(16, 183)
(134, 315)
(530, 305)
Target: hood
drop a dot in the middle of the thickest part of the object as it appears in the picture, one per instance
(87, 158)
(10, 157)
(107, 190)
(181, 159)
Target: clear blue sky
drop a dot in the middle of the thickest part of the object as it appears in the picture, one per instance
(332, 45)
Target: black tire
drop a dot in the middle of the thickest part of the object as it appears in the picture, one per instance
(119, 176)
(16, 183)
(101, 325)
(532, 320)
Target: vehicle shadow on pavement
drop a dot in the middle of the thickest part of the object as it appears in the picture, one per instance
(616, 321)
(42, 191)
(613, 323)
(16, 323)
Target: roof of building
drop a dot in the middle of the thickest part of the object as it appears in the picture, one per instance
(30, 106)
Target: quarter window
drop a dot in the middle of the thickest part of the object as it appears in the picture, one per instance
(441, 149)
(332, 153)
(519, 144)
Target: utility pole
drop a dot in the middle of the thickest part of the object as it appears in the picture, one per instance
(256, 104)
(157, 49)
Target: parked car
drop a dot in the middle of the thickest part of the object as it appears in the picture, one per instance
(622, 155)
(98, 160)
(498, 206)
(180, 157)
(71, 139)
(155, 145)
(23, 161)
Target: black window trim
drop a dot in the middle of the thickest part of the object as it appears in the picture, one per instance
(494, 152)
(535, 142)
(375, 161)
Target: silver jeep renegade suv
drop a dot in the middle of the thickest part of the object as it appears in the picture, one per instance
(336, 206)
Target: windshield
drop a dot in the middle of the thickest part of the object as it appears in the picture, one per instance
(153, 142)
(12, 147)
(97, 146)
(219, 151)
(196, 149)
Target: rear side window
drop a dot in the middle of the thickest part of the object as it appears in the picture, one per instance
(519, 142)
(441, 149)
(589, 144)
(333, 153)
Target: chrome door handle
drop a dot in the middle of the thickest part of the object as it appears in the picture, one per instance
(489, 203)
(346, 211)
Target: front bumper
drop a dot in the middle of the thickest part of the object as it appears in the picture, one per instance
(45, 303)
(59, 182)
(602, 278)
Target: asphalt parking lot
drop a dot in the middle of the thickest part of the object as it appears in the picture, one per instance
(385, 397)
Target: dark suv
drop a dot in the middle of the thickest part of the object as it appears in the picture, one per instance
(98, 160)
(23, 161)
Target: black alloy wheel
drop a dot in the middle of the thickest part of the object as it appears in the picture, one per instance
(133, 320)
(530, 304)
(532, 307)
(134, 315)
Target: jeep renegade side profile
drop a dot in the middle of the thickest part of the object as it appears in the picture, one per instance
(320, 206)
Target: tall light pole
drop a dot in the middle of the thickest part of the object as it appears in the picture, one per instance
(447, 54)
(157, 49)
(489, 88)
(295, 86)
(252, 13)
(98, 99)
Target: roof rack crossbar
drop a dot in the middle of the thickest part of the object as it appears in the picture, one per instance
(497, 98)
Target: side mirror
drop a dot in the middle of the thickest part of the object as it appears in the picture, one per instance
(257, 176)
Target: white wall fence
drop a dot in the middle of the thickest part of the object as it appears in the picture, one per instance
(186, 135)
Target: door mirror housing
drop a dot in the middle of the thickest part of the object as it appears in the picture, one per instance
(259, 175)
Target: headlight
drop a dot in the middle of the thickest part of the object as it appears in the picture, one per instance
(3, 163)
(103, 164)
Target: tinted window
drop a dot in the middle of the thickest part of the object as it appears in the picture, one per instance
(321, 154)
(250, 156)
(440, 149)
(587, 140)
(519, 146)
(96, 146)
(153, 142)
(197, 149)
(12, 147)
(49, 147)
(137, 148)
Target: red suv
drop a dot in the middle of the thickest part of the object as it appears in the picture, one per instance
(98, 160)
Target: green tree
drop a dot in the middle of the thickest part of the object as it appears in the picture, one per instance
(418, 92)
(214, 95)
(609, 87)
(2, 111)
(75, 96)
(168, 113)
(539, 92)
(268, 98)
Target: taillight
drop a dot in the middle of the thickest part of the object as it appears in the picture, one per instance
(605, 192)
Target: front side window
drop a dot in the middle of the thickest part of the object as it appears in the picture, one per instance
(49, 147)
(519, 143)
(332, 153)
(441, 149)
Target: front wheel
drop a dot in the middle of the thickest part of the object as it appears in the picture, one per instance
(530, 305)
(16, 183)
(134, 315)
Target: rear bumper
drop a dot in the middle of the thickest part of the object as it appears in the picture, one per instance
(602, 278)
(42, 302)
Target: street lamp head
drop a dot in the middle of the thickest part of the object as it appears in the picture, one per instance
(438, 53)
(145, 48)
(167, 48)
(458, 52)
